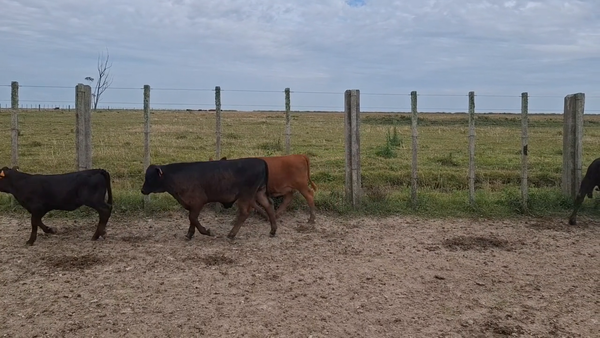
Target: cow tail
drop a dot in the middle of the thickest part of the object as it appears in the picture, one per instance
(108, 187)
(312, 184)
(266, 179)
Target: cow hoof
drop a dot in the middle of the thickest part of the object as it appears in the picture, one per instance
(231, 237)
(572, 222)
(51, 231)
(311, 221)
(188, 237)
(29, 243)
(209, 233)
(271, 234)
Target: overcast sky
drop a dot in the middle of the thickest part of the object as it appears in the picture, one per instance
(548, 48)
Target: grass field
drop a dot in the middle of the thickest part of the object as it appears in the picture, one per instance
(47, 145)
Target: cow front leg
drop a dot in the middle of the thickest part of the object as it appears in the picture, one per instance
(195, 224)
(36, 221)
(264, 201)
(287, 199)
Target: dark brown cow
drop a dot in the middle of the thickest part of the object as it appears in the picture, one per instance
(588, 183)
(194, 184)
(287, 174)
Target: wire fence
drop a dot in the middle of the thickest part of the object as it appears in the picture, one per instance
(444, 144)
(45, 97)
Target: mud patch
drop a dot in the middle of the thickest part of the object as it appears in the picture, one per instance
(502, 329)
(69, 263)
(479, 243)
(218, 259)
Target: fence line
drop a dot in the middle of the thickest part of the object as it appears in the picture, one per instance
(524, 145)
(146, 137)
(288, 122)
(415, 135)
(573, 112)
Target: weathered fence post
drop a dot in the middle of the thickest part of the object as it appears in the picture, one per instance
(146, 137)
(217, 206)
(352, 129)
(83, 127)
(14, 123)
(572, 143)
(472, 149)
(415, 135)
(218, 118)
(524, 144)
(288, 123)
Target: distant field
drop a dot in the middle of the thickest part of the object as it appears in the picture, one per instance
(47, 146)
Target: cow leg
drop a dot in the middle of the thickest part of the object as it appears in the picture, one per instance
(195, 224)
(309, 195)
(287, 199)
(244, 208)
(260, 210)
(36, 220)
(263, 200)
(578, 202)
(104, 212)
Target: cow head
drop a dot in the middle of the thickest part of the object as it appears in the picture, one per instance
(5, 175)
(154, 180)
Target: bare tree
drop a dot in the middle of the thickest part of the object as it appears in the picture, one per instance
(104, 79)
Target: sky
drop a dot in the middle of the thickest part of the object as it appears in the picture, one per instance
(254, 49)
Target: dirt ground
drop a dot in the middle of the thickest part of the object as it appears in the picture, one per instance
(362, 277)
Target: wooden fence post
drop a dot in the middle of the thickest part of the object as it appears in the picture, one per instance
(218, 118)
(14, 123)
(217, 206)
(415, 135)
(288, 123)
(352, 129)
(472, 149)
(146, 137)
(524, 144)
(83, 127)
(572, 143)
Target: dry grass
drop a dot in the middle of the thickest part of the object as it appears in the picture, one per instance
(47, 146)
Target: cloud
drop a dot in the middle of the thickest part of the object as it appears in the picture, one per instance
(378, 46)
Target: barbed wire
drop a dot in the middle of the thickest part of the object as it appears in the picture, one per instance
(304, 91)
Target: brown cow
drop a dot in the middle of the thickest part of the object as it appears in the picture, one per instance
(287, 174)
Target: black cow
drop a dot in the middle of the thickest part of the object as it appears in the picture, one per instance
(40, 194)
(588, 183)
(194, 184)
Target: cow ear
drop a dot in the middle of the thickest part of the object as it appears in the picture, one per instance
(2, 174)
(160, 172)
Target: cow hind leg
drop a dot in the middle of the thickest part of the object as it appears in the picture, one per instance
(263, 200)
(259, 210)
(104, 211)
(195, 224)
(244, 208)
(309, 195)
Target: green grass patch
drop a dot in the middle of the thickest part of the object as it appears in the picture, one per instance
(47, 145)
